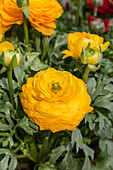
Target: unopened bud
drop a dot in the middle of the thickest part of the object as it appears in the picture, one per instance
(97, 26)
(97, 3)
(10, 59)
(91, 56)
(22, 3)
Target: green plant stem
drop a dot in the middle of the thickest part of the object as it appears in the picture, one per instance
(26, 30)
(95, 11)
(86, 73)
(37, 41)
(45, 47)
(18, 148)
(11, 91)
(78, 13)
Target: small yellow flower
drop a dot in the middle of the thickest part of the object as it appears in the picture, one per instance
(77, 41)
(43, 14)
(55, 100)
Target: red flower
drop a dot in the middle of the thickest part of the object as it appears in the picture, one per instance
(100, 21)
(107, 6)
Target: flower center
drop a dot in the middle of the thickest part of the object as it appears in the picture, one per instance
(56, 86)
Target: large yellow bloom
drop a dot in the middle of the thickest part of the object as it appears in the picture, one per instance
(55, 100)
(78, 40)
(43, 14)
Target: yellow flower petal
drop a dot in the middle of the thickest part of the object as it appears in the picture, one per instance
(5, 46)
(104, 46)
(43, 14)
(1, 34)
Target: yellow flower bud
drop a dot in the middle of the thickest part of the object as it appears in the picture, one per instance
(90, 56)
(8, 57)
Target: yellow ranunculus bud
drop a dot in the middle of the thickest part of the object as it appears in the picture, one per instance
(8, 57)
(78, 41)
(90, 55)
(55, 100)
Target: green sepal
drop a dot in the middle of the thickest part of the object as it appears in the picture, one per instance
(100, 55)
(93, 67)
(22, 3)
(21, 56)
(83, 58)
(13, 62)
(88, 46)
(26, 12)
(3, 70)
(2, 59)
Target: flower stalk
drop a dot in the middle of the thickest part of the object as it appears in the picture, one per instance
(37, 41)
(25, 29)
(86, 73)
(11, 91)
(45, 47)
(78, 13)
(95, 11)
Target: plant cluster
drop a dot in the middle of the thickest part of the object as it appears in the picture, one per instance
(56, 85)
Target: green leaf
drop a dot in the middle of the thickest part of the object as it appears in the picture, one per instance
(19, 74)
(4, 162)
(99, 87)
(103, 121)
(105, 163)
(91, 85)
(76, 138)
(38, 65)
(106, 145)
(13, 162)
(56, 153)
(88, 152)
(67, 163)
(5, 127)
(26, 125)
(47, 167)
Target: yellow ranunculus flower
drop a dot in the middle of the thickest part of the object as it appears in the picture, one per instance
(43, 14)
(55, 100)
(76, 41)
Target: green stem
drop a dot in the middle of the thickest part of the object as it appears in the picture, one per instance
(86, 73)
(25, 29)
(45, 47)
(78, 13)
(18, 148)
(95, 11)
(37, 41)
(11, 91)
